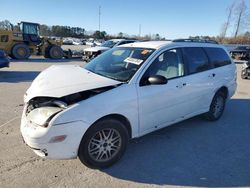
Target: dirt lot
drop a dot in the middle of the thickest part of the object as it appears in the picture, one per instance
(192, 153)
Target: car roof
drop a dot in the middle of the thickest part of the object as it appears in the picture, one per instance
(116, 40)
(148, 44)
(160, 44)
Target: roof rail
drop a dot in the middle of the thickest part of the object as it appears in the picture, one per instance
(196, 40)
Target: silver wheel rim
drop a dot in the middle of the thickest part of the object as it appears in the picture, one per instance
(218, 106)
(104, 145)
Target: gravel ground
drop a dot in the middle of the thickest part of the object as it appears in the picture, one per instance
(191, 153)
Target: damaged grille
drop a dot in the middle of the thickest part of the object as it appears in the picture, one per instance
(42, 102)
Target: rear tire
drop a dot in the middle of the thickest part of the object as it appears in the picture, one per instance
(217, 107)
(20, 51)
(54, 52)
(103, 144)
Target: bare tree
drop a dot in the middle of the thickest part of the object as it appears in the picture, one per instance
(240, 16)
(120, 35)
(226, 25)
(6, 25)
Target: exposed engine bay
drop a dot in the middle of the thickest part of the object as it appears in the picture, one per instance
(65, 101)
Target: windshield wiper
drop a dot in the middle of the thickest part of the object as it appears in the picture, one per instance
(114, 78)
(107, 76)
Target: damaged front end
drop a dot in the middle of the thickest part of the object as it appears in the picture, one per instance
(41, 110)
(47, 138)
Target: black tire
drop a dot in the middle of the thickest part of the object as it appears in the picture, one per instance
(67, 54)
(243, 76)
(217, 107)
(46, 54)
(90, 149)
(20, 51)
(54, 52)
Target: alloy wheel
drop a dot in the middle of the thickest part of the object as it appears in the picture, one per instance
(104, 145)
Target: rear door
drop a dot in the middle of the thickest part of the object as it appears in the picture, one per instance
(200, 80)
(223, 68)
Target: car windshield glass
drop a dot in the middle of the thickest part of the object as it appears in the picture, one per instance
(119, 63)
(109, 43)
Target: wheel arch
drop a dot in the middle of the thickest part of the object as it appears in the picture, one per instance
(223, 90)
(118, 117)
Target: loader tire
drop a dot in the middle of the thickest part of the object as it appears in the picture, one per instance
(20, 51)
(54, 52)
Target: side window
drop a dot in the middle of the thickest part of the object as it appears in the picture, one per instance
(121, 43)
(124, 42)
(196, 59)
(130, 41)
(169, 64)
(218, 57)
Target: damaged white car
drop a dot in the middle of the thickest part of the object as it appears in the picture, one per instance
(126, 92)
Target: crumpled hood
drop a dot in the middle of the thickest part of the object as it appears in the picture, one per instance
(61, 80)
(96, 49)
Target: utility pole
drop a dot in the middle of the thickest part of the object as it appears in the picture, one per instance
(139, 30)
(100, 18)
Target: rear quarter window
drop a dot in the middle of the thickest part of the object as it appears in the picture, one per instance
(218, 57)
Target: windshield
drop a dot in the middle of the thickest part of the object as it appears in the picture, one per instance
(119, 63)
(109, 43)
(30, 28)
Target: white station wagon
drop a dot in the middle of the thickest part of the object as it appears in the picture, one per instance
(124, 93)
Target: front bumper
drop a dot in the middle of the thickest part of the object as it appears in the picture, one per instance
(39, 138)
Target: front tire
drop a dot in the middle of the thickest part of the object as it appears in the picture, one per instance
(54, 52)
(103, 144)
(217, 107)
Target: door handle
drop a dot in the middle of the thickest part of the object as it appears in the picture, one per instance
(181, 85)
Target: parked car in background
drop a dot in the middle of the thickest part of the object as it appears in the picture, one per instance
(90, 53)
(4, 61)
(91, 112)
(90, 42)
(98, 42)
(67, 41)
(245, 72)
(77, 42)
(241, 53)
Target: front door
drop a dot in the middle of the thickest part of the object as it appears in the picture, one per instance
(161, 105)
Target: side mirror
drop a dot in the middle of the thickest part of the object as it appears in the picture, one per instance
(157, 80)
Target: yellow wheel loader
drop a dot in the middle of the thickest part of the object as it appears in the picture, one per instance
(27, 41)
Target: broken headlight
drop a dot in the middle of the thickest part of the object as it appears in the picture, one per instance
(41, 116)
